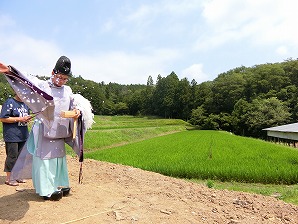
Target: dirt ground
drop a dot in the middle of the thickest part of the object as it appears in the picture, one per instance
(120, 194)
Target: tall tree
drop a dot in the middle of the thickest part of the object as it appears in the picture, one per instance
(265, 113)
(183, 100)
(227, 89)
(150, 81)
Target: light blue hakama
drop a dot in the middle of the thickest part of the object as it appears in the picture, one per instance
(49, 174)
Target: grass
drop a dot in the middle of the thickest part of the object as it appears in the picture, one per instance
(111, 131)
(123, 122)
(287, 193)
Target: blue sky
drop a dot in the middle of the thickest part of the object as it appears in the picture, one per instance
(125, 41)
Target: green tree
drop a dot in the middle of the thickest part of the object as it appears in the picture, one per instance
(212, 122)
(265, 113)
(150, 81)
(227, 89)
(267, 78)
(239, 117)
(198, 117)
(91, 90)
(121, 108)
(108, 108)
(135, 102)
(164, 96)
(6, 91)
(183, 100)
(202, 94)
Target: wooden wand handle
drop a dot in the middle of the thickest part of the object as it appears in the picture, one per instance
(75, 124)
(71, 114)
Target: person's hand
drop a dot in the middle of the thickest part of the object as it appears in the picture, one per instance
(77, 113)
(25, 118)
(3, 68)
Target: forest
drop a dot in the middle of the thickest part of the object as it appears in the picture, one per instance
(243, 100)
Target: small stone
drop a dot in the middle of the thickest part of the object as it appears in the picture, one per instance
(20, 189)
(166, 212)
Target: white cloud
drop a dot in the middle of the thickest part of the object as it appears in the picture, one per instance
(195, 71)
(28, 54)
(157, 20)
(108, 26)
(121, 67)
(179, 8)
(282, 50)
(141, 14)
(166, 8)
(266, 22)
(6, 21)
(38, 57)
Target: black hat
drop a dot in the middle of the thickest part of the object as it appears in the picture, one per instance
(63, 66)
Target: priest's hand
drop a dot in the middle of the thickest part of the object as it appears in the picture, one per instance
(77, 113)
(3, 68)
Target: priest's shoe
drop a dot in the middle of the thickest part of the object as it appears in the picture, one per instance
(65, 191)
(56, 196)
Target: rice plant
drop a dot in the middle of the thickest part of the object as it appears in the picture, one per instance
(209, 155)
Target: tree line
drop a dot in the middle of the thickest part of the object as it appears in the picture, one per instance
(243, 100)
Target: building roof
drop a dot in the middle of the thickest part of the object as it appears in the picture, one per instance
(284, 128)
(288, 131)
